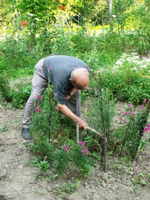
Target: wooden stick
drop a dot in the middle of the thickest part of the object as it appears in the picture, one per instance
(77, 131)
(96, 132)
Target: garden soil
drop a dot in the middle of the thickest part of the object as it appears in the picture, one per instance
(18, 179)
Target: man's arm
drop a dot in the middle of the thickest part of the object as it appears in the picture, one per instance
(66, 111)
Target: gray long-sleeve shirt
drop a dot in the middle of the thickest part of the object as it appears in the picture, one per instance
(57, 70)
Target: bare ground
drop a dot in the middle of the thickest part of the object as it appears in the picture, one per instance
(17, 179)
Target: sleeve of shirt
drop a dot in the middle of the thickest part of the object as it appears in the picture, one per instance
(59, 95)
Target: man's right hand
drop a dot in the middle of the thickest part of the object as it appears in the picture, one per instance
(82, 124)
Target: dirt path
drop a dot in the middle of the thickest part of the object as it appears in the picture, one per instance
(17, 179)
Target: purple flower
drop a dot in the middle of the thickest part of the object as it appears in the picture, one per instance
(88, 68)
(56, 107)
(141, 106)
(84, 152)
(121, 119)
(87, 87)
(39, 96)
(144, 100)
(66, 148)
(37, 110)
(144, 132)
(134, 169)
(127, 112)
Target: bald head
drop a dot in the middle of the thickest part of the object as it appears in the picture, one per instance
(79, 78)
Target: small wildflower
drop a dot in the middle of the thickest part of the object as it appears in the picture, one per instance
(39, 96)
(148, 125)
(144, 132)
(39, 109)
(87, 87)
(141, 106)
(42, 133)
(124, 121)
(66, 148)
(56, 107)
(84, 152)
(132, 113)
(129, 105)
(144, 100)
(134, 169)
(121, 119)
(127, 112)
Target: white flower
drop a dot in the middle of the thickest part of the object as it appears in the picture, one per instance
(30, 14)
(4, 27)
(113, 16)
(29, 33)
(37, 35)
(5, 34)
(37, 19)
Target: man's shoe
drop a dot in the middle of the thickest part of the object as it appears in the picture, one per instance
(25, 134)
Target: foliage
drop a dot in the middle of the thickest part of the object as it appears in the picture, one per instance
(127, 138)
(128, 83)
(5, 90)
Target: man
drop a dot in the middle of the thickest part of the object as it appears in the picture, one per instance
(68, 75)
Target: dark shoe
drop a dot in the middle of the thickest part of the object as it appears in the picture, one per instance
(25, 134)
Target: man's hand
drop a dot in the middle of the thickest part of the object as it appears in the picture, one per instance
(66, 111)
(68, 97)
(82, 124)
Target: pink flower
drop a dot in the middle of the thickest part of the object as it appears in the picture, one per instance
(144, 100)
(88, 97)
(134, 169)
(129, 105)
(84, 152)
(66, 148)
(56, 107)
(141, 106)
(148, 125)
(42, 133)
(95, 89)
(39, 96)
(127, 112)
(48, 68)
(121, 119)
(87, 87)
(36, 109)
(144, 132)
(132, 113)
(124, 121)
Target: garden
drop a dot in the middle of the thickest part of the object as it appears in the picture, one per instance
(111, 159)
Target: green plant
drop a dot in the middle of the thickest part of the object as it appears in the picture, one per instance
(5, 90)
(43, 166)
(5, 128)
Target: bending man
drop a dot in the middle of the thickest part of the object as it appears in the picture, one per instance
(68, 75)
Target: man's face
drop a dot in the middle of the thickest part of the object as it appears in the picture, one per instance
(78, 86)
